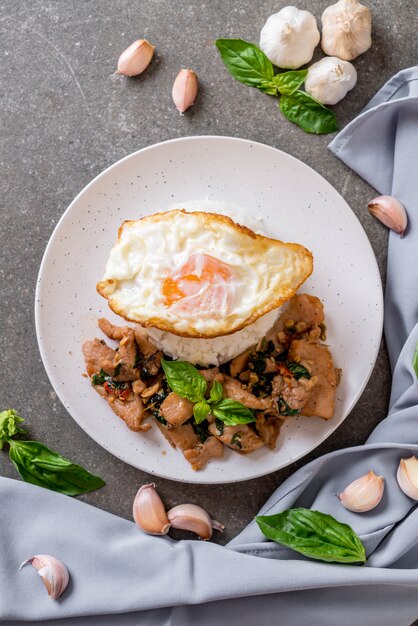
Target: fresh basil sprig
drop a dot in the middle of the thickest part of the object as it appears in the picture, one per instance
(314, 534)
(298, 370)
(415, 360)
(250, 66)
(41, 466)
(186, 381)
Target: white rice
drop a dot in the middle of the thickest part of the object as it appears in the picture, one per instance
(221, 349)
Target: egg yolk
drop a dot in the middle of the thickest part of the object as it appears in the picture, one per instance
(199, 271)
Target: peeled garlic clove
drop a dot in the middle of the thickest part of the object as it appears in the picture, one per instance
(53, 573)
(390, 212)
(330, 79)
(149, 512)
(346, 29)
(289, 37)
(194, 518)
(407, 477)
(185, 89)
(136, 58)
(363, 494)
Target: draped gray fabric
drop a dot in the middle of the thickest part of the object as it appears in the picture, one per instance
(121, 576)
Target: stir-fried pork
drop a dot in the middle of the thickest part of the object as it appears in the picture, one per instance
(182, 437)
(241, 437)
(200, 454)
(176, 410)
(294, 392)
(130, 408)
(268, 427)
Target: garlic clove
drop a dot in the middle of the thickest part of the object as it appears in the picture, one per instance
(194, 518)
(185, 89)
(330, 79)
(346, 29)
(136, 58)
(363, 494)
(289, 37)
(53, 573)
(407, 477)
(149, 512)
(390, 212)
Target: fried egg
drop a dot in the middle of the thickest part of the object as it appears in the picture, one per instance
(199, 274)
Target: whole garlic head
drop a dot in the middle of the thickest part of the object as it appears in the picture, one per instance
(289, 37)
(329, 80)
(346, 29)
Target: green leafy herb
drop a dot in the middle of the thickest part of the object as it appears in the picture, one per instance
(236, 440)
(220, 426)
(314, 534)
(306, 112)
(288, 82)
(232, 413)
(9, 421)
(99, 379)
(284, 408)
(200, 411)
(415, 360)
(202, 430)
(217, 392)
(185, 380)
(39, 465)
(117, 369)
(298, 370)
(247, 64)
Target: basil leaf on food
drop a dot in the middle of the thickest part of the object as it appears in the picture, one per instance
(312, 116)
(314, 534)
(284, 408)
(41, 466)
(288, 82)
(200, 411)
(247, 64)
(184, 380)
(298, 370)
(231, 412)
(217, 392)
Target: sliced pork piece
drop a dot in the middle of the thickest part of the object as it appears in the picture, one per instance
(211, 374)
(295, 393)
(233, 389)
(200, 454)
(183, 437)
(241, 437)
(317, 358)
(109, 329)
(99, 356)
(145, 346)
(302, 314)
(240, 363)
(176, 410)
(131, 409)
(268, 427)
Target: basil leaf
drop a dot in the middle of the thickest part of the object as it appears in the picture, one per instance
(415, 360)
(40, 466)
(298, 370)
(307, 113)
(231, 412)
(184, 380)
(284, 408)
(200, 411)
(9, 421)
(314, 534)
(288, 82)
(247, 64)
(217, 392)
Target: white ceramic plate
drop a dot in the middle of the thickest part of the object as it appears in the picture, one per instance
(295, 204)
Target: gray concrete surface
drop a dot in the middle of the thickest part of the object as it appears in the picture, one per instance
(64, 118)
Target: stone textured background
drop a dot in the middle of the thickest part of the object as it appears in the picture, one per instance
(64, 118)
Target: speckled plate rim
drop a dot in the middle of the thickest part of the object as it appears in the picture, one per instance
(198, 477)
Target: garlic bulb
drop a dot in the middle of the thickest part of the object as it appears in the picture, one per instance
(408, 477)
(185, 89)
(53, 573)
(390, 212)
(136, 58)
(149, 512)
(346, 29)
(289, 37)
(363, 494)
(329, 80)
(194, 518)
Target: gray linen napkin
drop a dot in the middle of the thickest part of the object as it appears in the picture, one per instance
(121, 576)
